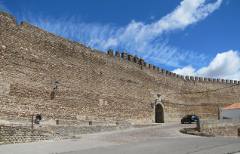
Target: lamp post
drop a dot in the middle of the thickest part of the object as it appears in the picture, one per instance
(32, 116)
(55, 88)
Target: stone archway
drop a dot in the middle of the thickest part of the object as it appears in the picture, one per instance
(159, 113)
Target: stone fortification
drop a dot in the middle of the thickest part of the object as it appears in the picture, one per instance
(225, 127)
(61, 79)
(17, 134)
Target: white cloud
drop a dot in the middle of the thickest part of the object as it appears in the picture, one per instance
(187, 13)
(224, 65)
(138, 38)
(188, 70)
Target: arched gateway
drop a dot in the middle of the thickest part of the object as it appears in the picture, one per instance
(159, 113)
(158, 110)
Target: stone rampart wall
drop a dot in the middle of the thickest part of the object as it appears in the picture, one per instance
(142, 63)
(221, 128)
(19, 134)
(61, 79)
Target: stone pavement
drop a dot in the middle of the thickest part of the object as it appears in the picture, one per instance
(164, 138)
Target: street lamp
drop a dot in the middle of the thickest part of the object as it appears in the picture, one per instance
(54, 91)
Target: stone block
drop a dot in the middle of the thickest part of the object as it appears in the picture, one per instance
(4, 87)
(141, 62)
(154, 67)
(187, 78)
(145, 64)
(117, 54)
(124, 55)
(164, 71)
(210, 79)
(130, 58)
(110, 52)
(136, 59)
(192, 78)
(150, 66)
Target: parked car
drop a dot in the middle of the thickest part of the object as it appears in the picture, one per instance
(189, 119)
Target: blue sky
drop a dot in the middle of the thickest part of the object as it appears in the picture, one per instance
(189, 37)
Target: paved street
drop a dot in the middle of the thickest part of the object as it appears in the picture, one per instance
(159, 139)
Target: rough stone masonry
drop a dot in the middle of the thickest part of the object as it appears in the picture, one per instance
(43, 73)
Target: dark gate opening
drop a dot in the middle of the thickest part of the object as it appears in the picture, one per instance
(159, 114)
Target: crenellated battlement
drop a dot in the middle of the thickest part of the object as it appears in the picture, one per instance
(139, 61)
(8, 21)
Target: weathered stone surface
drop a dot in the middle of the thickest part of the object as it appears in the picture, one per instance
(34, 59)
(221, 128)
(19, 134)
(4, 87)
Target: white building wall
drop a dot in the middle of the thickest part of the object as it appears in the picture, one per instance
(230, 114)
